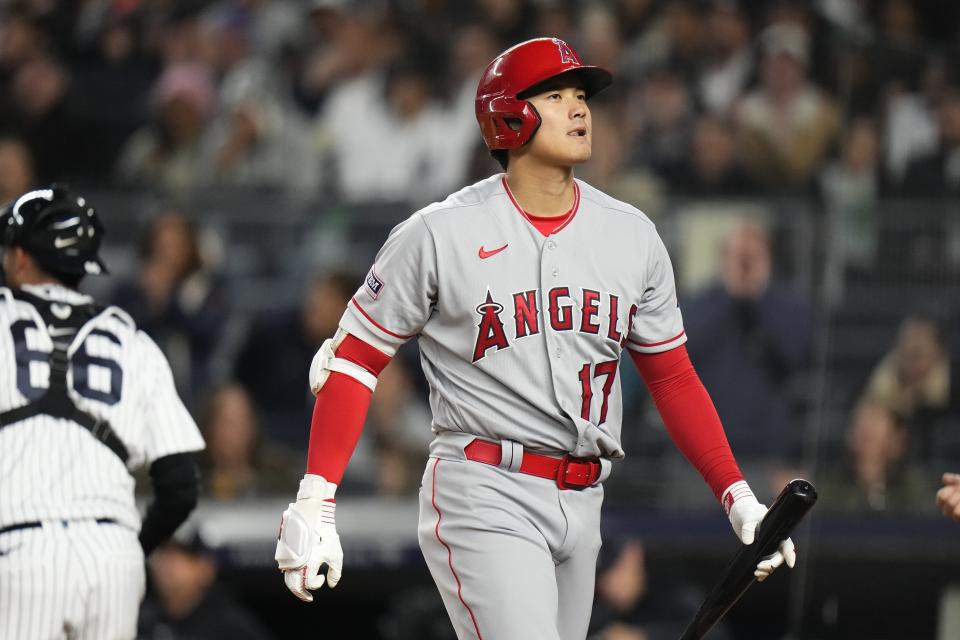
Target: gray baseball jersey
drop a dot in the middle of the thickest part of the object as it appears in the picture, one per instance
(520, 339)
(520, 335)
(57, 473)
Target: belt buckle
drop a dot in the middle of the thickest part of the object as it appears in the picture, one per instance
(582, 479)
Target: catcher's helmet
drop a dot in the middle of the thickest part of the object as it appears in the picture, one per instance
(517, 69)
(60, 230)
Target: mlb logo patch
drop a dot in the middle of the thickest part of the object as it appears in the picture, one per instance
(374, 284)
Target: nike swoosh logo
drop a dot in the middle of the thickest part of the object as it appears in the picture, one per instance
(486, 254)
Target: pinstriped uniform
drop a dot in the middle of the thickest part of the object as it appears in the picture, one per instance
(520, 336)
(74, 577)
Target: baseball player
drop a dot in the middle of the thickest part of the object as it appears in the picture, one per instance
(524, 290)
(85, 398)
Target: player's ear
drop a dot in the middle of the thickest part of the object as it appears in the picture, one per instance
(25, 263)
(14, 260)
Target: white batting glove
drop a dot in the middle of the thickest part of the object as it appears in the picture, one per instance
(745, 514)
(308, 539)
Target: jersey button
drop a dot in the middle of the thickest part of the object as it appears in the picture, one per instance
(556, 272)
(557, 352)
(551, 244)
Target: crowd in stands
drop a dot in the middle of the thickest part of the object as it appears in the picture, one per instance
(373, 100)
(844, 103)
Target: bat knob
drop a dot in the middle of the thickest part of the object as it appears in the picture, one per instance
(803, 489)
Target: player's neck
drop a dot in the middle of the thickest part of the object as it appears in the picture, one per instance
(20, 280)
(20, 269)
(542, 191)
(39, 280)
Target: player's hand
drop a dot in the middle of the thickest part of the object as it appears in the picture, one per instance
(745, 514)
(948, 497)
(308, 539)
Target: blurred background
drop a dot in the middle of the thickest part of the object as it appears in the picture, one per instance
(800, 159)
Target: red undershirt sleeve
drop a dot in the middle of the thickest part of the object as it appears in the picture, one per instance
(689, 415)
(340, 411)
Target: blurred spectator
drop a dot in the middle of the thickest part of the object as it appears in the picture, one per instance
(395, 440)
(729, 61)
(878, 475)
(115, 76)
(559, 20)
(274, 361)
(388, 136)
(913, 379)
(600, 38)
(749, 338)
(16, 168)
(937, 174)
(509, 20)
(167, 153)
(178, 36)
(849, 16)
(186, 601)
(787, 125)
(671, 34)
(948, 497)
(267, 25)
(631, 606)
(608, 161)
(712, 167)
(850, 187)
(238, 463)
(635, 16)
(21, 39)
(259, 139)
(225, 31)
(663, 122)
(910, 126)
(899, 50)
(45, 115)
(336, 50)
(608, 168)
(472, 50)
(178, 299)
(644, 34)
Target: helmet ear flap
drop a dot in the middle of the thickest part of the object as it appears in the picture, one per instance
(508, 123)
(530, 124)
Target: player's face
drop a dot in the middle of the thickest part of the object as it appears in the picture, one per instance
(564, 137)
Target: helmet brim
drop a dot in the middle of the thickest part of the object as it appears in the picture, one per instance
(593, 79)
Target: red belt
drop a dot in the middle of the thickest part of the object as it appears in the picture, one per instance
(568, 472)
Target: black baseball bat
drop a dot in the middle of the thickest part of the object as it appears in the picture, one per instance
(785, 513)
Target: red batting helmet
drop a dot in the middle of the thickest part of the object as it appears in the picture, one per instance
(514, 71)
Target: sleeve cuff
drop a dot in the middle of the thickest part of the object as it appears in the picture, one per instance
(657, 347)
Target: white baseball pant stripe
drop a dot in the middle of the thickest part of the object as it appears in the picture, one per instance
(82, 581)
(513, 556)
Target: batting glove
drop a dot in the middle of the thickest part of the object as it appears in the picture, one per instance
(745, 514)
(308, 539)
